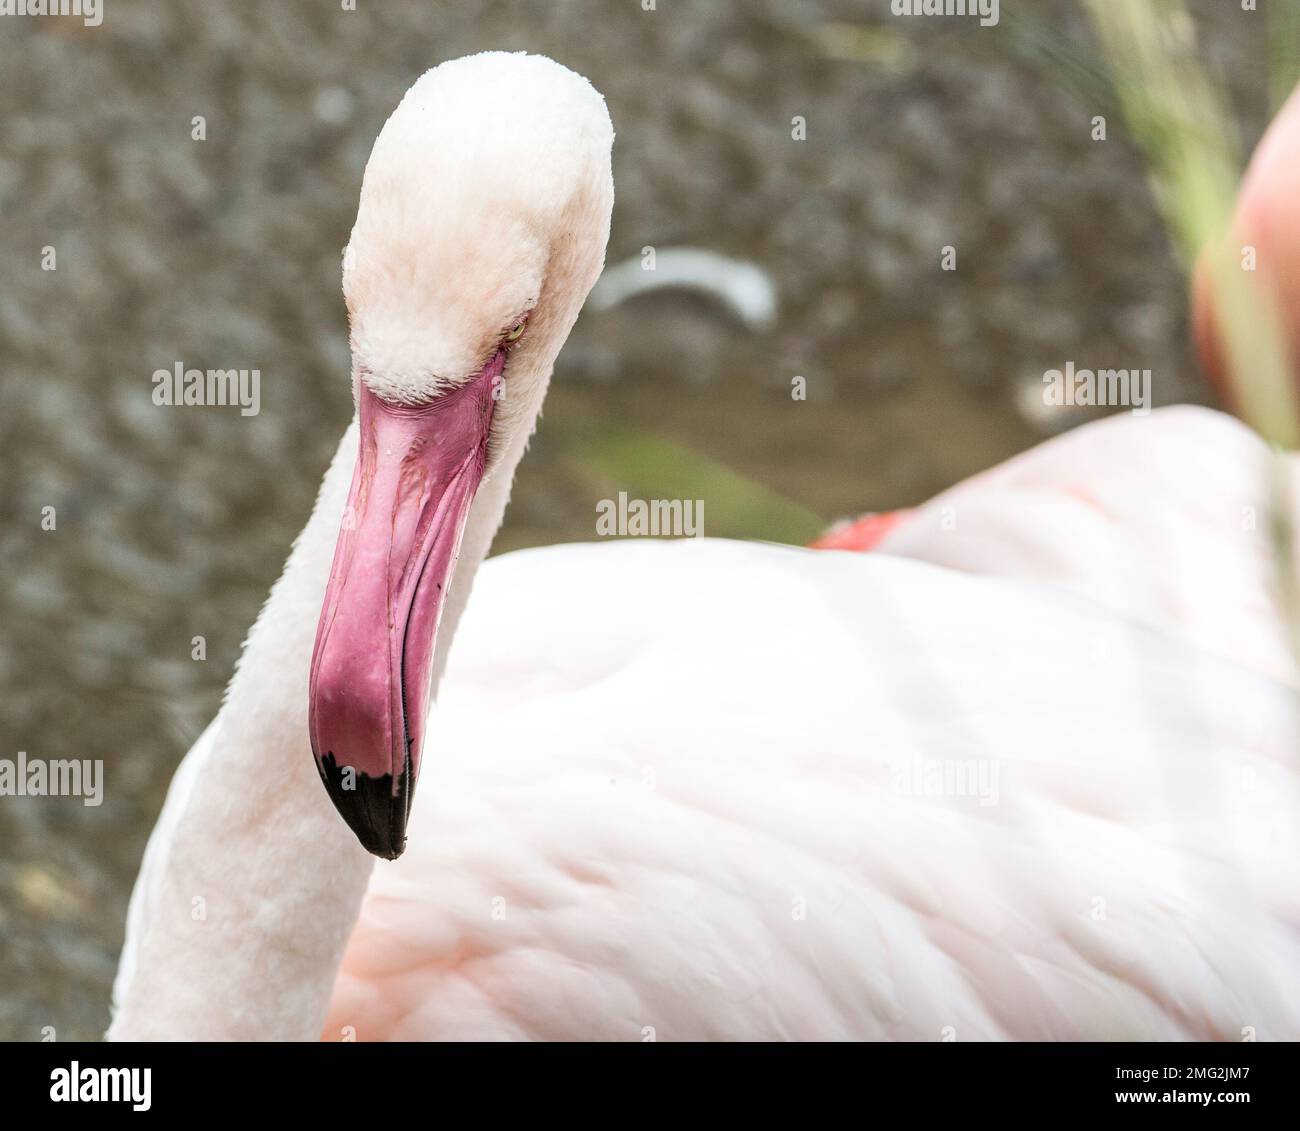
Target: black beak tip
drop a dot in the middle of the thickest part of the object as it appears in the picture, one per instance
(369, 805)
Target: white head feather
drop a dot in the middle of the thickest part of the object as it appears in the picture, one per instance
(487, 197)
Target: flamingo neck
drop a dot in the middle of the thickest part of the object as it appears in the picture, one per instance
(251, 883)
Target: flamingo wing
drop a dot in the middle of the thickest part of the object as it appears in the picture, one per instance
(744, 791)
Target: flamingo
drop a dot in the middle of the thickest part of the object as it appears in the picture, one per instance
(1265, 220)
(1026, 770)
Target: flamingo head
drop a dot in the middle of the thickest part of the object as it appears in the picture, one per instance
(482, 225)
(1267, 222)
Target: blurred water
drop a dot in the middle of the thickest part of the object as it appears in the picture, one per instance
(172, 523)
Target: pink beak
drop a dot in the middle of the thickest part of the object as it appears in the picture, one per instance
(417, 471)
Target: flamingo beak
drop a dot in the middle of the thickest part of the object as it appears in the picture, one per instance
(417, 471)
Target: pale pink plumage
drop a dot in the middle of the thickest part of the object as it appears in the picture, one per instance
(690, 739)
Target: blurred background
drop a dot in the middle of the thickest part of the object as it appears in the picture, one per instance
(224, 253)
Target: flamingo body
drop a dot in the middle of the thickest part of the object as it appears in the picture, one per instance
(702, 809)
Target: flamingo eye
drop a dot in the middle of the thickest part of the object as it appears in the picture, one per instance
(516, 331)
